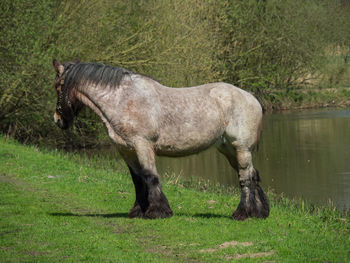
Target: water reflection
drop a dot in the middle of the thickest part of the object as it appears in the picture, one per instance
(302, 154)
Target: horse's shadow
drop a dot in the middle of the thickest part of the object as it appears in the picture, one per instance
(114, 215)
(202, 215)
(125, 215)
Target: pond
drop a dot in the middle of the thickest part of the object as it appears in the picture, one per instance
(302, 154)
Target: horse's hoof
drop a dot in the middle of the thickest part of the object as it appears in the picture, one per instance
(257, 207)
(136, 212)
(158, 211)
(240, 214)
(253, 202)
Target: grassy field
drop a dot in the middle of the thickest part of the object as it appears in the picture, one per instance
(56, 207)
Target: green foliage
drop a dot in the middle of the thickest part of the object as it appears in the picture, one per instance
(267, 47)
(274, 45)
(24, 74)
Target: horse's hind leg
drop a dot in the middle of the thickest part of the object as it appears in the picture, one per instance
(253, 201)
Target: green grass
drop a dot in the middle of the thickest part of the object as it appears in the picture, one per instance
(56, 208)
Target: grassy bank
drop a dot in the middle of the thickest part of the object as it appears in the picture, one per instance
(56, 207)
(308, 98)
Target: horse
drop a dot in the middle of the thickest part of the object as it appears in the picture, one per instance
(145, 118)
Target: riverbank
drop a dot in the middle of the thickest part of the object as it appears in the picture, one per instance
(307, 98)
(59, 207)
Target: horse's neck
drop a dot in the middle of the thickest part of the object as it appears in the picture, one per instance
(90, 101)
(97, 95)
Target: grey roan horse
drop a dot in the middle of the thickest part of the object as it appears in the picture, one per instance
(145, 118)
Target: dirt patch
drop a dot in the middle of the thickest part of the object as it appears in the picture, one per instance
(34, 253)
(235, 243)
(251, 255)
(17, 183)
(226, 245)
(7, 179)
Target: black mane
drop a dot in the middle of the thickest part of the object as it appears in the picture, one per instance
(97, 73)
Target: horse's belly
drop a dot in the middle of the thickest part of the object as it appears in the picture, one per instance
(181, 143)
(191, 121)
(177, 150)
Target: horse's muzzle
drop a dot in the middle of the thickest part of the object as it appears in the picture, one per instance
(59, 121)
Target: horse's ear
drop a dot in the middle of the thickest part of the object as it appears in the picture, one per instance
(76, 61)
(58, 66)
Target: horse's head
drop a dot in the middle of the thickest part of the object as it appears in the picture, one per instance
(67, 105)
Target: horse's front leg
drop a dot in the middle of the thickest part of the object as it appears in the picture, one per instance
(158, 204)
(141, 203)
(150, 200)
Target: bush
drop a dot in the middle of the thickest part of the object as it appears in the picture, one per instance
(268, 47)
(25, 72)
